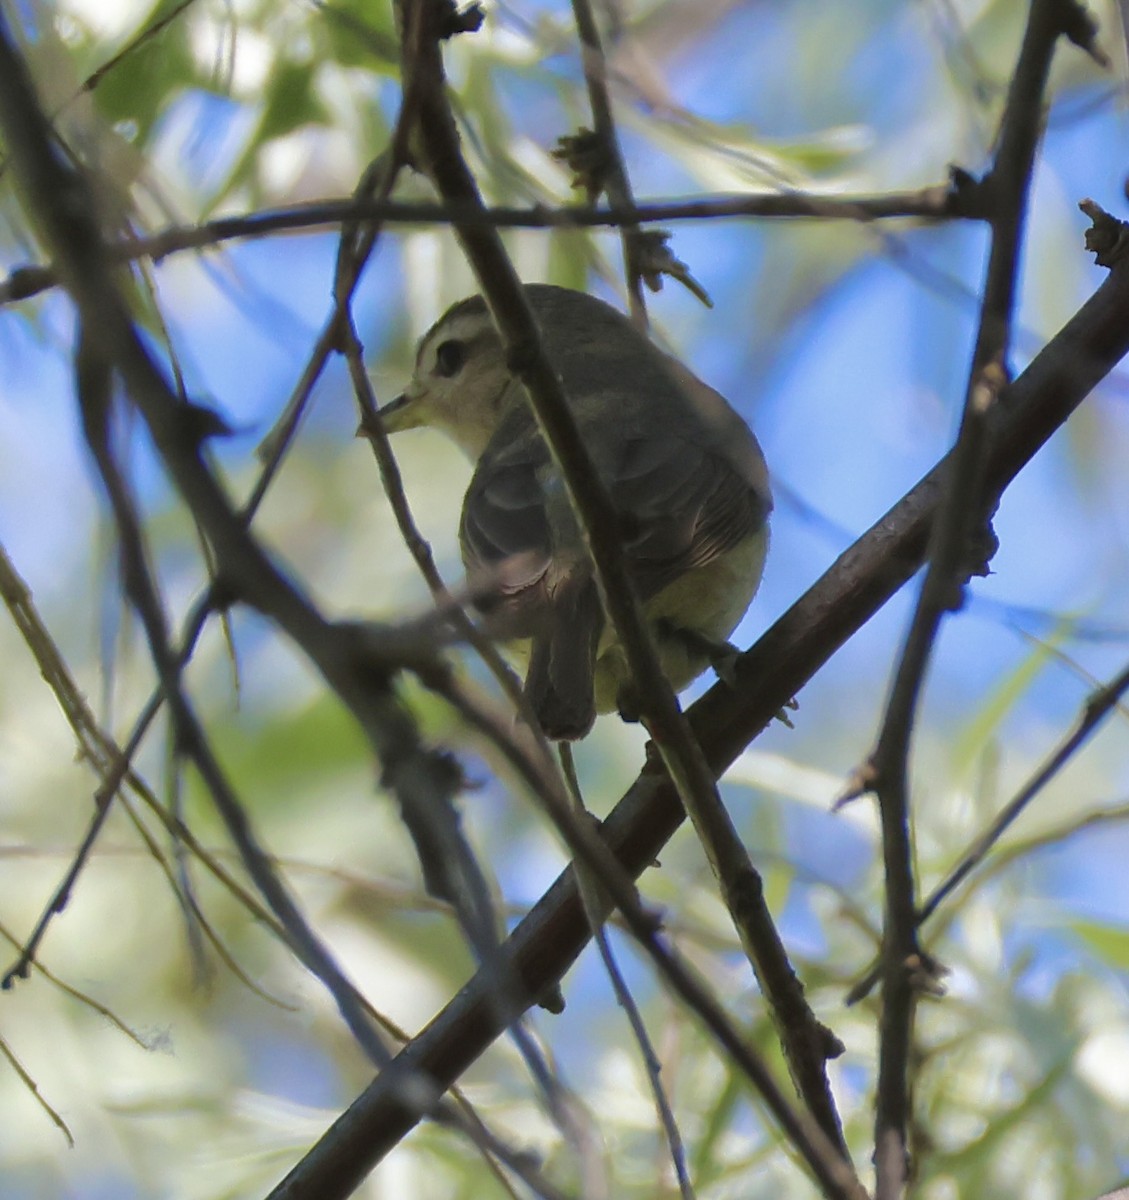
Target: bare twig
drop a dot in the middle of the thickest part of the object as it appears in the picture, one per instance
(952, 556)
(595, 911)
(159, 25)
(105, 1013)
(94, 373)
(613, 177)
(28, 1081)
(807, 1043)
(112, 765)
(1053, 835)
(1097, 707)
(942, 201)
(355, 247)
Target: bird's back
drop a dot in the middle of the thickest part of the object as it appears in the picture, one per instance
(683, 470)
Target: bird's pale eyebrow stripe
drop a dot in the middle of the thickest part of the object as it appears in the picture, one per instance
(471, 332)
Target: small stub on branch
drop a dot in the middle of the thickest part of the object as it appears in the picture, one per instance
(863, 779)
(1081, 29)
(654, 258)
(202, 423)
(452, 20)
(1107, 237)
(966, 195)
(926, 974)
(586, 155)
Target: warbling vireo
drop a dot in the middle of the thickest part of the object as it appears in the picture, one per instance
(682, 469)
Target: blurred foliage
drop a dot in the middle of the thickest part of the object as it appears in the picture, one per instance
(845, 344)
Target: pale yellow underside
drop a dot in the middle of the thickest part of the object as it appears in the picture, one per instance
(709, 601)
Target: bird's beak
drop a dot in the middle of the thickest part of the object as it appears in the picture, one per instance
(396, 415)
(400, 413)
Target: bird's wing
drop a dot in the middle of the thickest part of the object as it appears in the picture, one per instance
(683, 501)
(504, 534)
(683, 505)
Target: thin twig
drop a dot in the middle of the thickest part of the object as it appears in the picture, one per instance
(28, 1081)
(1055, 835)
(594, 910)
(807, 1043)
(355, 247)
(952, 556)
(938, 202)
(104, 1012)
(613, 177)
(111, 763)
(94, 380)
(1097, 707)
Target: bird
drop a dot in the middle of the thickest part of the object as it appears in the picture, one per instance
(684, 473)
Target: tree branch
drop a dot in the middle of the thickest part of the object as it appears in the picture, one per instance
(807, 1043)
(613, 177)
(955, 552)
(939, 202)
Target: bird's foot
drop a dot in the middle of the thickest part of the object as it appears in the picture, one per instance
(720, 655)
(723, 659)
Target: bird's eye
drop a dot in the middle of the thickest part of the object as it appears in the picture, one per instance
(449, 358)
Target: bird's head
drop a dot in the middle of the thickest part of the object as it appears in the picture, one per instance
(461, 383)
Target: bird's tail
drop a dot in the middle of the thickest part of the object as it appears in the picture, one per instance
(560, 680)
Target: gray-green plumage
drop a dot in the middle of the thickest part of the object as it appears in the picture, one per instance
(684, 473)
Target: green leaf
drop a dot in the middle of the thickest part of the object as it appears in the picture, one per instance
(148, 77)
(1109, 942)
(1011, 688)
(291, 101)
(357, 33)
